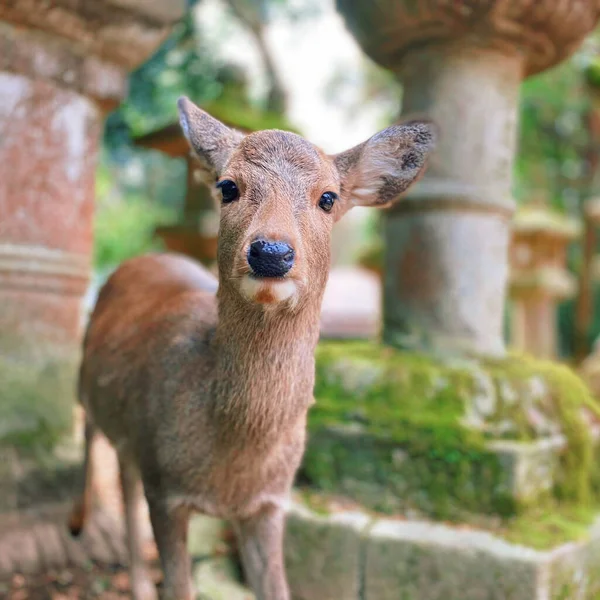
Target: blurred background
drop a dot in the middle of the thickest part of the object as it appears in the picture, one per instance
(294, 65)
(479, 413)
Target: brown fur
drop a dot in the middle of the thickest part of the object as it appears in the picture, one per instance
(205, 398)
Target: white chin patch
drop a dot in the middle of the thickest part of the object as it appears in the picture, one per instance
(267, 291)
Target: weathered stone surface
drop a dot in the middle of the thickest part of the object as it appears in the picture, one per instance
(61, 64)
(125, 33)
(417, 560)
(51, 551)
(529, 467)
(572, 570)
(323, 554)
(47, 168)
(41, 56)
(447, 241)
(37, 541)
(47, 164)
(544, 32)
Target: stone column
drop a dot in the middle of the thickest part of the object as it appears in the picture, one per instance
(62, 66)
(461, 64)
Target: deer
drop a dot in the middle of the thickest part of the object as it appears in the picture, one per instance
(203, 384)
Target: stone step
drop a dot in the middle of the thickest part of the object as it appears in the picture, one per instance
(353, 555)
(33, 543)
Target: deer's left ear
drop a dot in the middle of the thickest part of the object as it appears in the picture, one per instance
(212, 141)
(377, 171)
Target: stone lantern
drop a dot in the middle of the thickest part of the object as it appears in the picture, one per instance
(196, 236)
(461, 64)
(539, 278)
(62, 66)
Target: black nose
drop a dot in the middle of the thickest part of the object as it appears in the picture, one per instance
(270, 259)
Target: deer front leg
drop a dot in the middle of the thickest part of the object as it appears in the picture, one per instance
(142, 587)
(170, 533)
(260, 540)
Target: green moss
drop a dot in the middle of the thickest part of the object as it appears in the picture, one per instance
(36, 410)
(568, 400)
(400, 431)
(549, 526)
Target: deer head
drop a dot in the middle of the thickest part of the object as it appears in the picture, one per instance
(281, 195)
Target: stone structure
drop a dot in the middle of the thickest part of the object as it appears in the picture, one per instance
(461, 63)
(539, 278)
(353, 555)
(62, 66)
(196, 235)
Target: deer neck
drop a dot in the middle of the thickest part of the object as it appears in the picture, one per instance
(264, 373)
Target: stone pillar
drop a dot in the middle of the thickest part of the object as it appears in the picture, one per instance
(62, 65)
(447, 241)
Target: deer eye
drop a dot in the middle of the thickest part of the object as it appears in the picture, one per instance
(229, 190)
(327, 201)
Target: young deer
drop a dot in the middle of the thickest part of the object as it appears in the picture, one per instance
(205, 397)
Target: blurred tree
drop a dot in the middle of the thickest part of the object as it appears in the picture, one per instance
(254, 14)
(558, 148)
(377, 87)
(180, 66)
(558, 160)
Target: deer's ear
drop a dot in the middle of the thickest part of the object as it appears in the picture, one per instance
(375, 172)
(212, 141)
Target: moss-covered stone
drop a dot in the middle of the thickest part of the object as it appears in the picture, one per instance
(37, 399)
(38, 459)
(399, 431)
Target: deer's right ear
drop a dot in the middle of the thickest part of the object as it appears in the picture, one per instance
(212, 141)
(377, 171)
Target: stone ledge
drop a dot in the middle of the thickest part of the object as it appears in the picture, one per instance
(543, 32)
(39, 55)
(323, 555)
(417, 560)
(43, 269)
(125, 33)
(30, 544)
(525, 471)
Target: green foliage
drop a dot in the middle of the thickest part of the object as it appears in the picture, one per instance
(180, 66)
(553, 160)
(379, 87)
(124, 224)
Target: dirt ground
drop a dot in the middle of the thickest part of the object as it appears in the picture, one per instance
(110, 583)
(86, 582)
